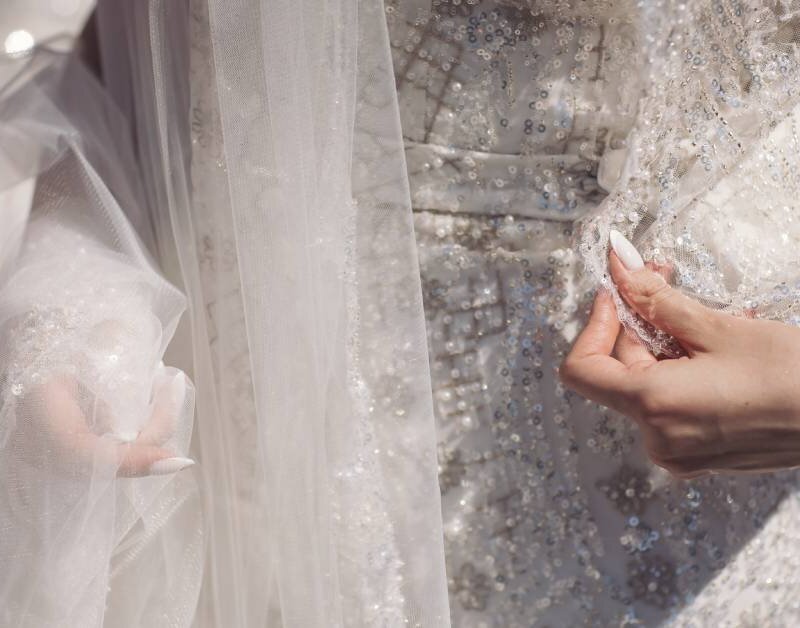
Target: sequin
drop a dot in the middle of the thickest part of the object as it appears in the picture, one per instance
(552, 514)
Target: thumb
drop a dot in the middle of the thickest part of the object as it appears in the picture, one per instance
(137, 460)
(651, 297)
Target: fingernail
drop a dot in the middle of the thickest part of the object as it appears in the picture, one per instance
(626, 252)
(125, 437)
(170, 465)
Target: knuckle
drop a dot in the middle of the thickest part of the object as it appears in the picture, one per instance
(668, 437)
(667, 450)
(655, 289)
(646, 291)
(648, 287)
(567, 371)
(653, 403)
(661, 448)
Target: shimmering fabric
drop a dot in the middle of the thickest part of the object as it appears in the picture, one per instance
(709, 184)
(277, 180)
(85, 320)
(517, 119)
(506, 109)
(275, 194)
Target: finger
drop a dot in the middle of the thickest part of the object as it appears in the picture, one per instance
(602, 328)
(665, 270)
(91, 453)
(167, 407)
(79, 450)
(652, 298)
(62, 415)
(731, 463)
(679, 471)
(84, 452)
(630, 350)
(589, 368)
(138, 460)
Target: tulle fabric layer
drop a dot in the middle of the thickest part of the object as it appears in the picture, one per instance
(280, 176)
(85, 319)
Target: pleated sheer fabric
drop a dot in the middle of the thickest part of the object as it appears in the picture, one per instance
(270, 144)
(707, 184)
(85, 318)
(249, 152)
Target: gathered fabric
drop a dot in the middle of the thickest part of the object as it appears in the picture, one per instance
(334, 252)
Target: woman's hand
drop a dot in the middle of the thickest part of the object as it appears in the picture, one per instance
(732, 404)
(72, 447)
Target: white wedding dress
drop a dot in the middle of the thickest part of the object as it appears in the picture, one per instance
(515, 126)
(387, 219)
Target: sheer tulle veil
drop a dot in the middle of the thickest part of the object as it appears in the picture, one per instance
(247, 155)
(274, 160)
(86, 317)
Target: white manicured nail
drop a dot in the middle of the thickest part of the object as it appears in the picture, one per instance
(170, 465)
(125, 437)
(626, 252)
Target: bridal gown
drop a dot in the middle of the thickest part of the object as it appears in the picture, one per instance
(514, 126)
(385, 221)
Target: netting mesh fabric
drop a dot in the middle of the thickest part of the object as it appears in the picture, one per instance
(85, 319)
(267, 179)
(709, 184)
(274, 162)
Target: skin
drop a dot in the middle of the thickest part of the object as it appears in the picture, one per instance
(730, 405)
(70, 443)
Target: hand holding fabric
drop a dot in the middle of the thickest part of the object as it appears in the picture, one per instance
(71, 442)
(730, 404)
